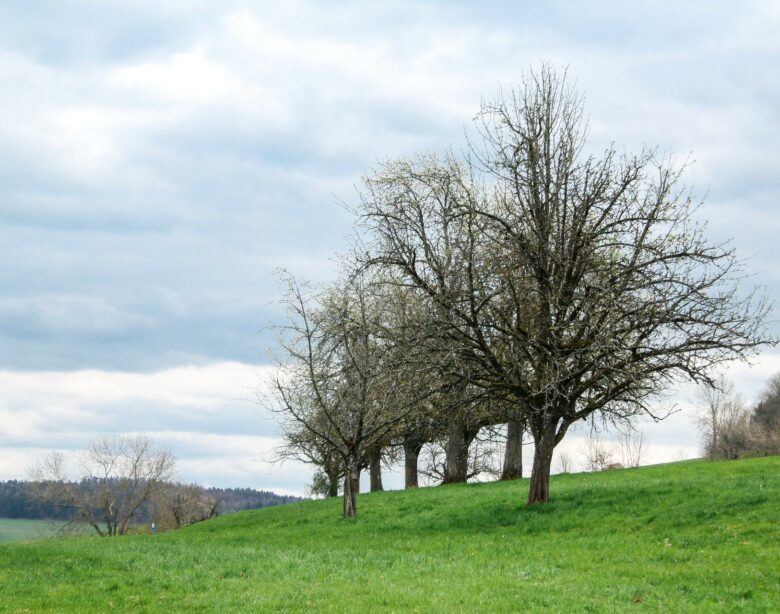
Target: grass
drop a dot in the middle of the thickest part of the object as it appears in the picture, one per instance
(21, 529)
(684, 537)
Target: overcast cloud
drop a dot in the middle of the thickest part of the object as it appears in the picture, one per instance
(159, 160)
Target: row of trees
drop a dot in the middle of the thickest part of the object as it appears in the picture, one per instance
(528, 282)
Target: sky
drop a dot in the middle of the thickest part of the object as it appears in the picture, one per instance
(159, 161)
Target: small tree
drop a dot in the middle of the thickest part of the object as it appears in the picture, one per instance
(564, 461)
(723, 420)
(118, 476)
(767, 411)
(632, 447)
(176, 505)
(598, 455)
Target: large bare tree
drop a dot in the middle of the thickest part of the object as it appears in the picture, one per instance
(567, 283)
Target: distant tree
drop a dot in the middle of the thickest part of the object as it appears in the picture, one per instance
(565, 462)
(767, 411)
(731, 430)
(632, 447)
(598, 455)
(236, 499)
(176, 505)
(480, 458)
(118, 477)
(723, 420)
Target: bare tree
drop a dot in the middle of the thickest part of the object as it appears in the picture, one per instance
(481, 460)
(565, 462)
(729, 427)
(117, 477)
(340, 377)
(569, 283)
(598, 455)
(722, 419)
(302, 444)
(177, 505)
(632, 447)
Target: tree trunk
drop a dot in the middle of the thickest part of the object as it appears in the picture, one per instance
(412, 449)
(544, 445)
(513, 457)
(351, 488)
(459, 438)
(375, 471)
(333, 484)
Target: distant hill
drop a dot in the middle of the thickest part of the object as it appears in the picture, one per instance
(684, 537)
(239, 499)
(16, 502)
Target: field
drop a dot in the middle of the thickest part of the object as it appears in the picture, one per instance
(684, 537)
(17, 529)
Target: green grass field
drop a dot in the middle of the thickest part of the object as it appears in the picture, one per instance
(19, 529)
(684, 537)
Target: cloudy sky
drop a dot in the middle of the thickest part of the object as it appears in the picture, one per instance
(158, 160)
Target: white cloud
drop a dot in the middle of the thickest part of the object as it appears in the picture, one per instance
(209, 415)
(183, 76)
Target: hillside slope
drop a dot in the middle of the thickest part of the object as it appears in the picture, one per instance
(689, 536)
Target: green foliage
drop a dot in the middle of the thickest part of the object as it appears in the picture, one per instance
(685, 537)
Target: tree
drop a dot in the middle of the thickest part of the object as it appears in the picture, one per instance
(513, 454)
(302, 444)
(730, 429)
(565, 282)
(722, 419)
(598, 456)
(632, 447)
(178, 505)
(119, 476)
(565, 462)
(480, 459)
(341, 378)
(767, 411)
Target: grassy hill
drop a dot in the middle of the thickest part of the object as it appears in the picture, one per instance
(684, 537)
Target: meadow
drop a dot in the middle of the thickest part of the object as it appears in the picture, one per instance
(684, 537)
(22, 529)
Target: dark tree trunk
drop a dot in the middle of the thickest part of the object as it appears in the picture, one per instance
(513, 457)
(333, 484)
(351, 488)
(412, 449)
(459, 438)
(375, 471)
(544, 445)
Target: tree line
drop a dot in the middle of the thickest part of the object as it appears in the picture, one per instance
(529, 282)
(18, 500)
